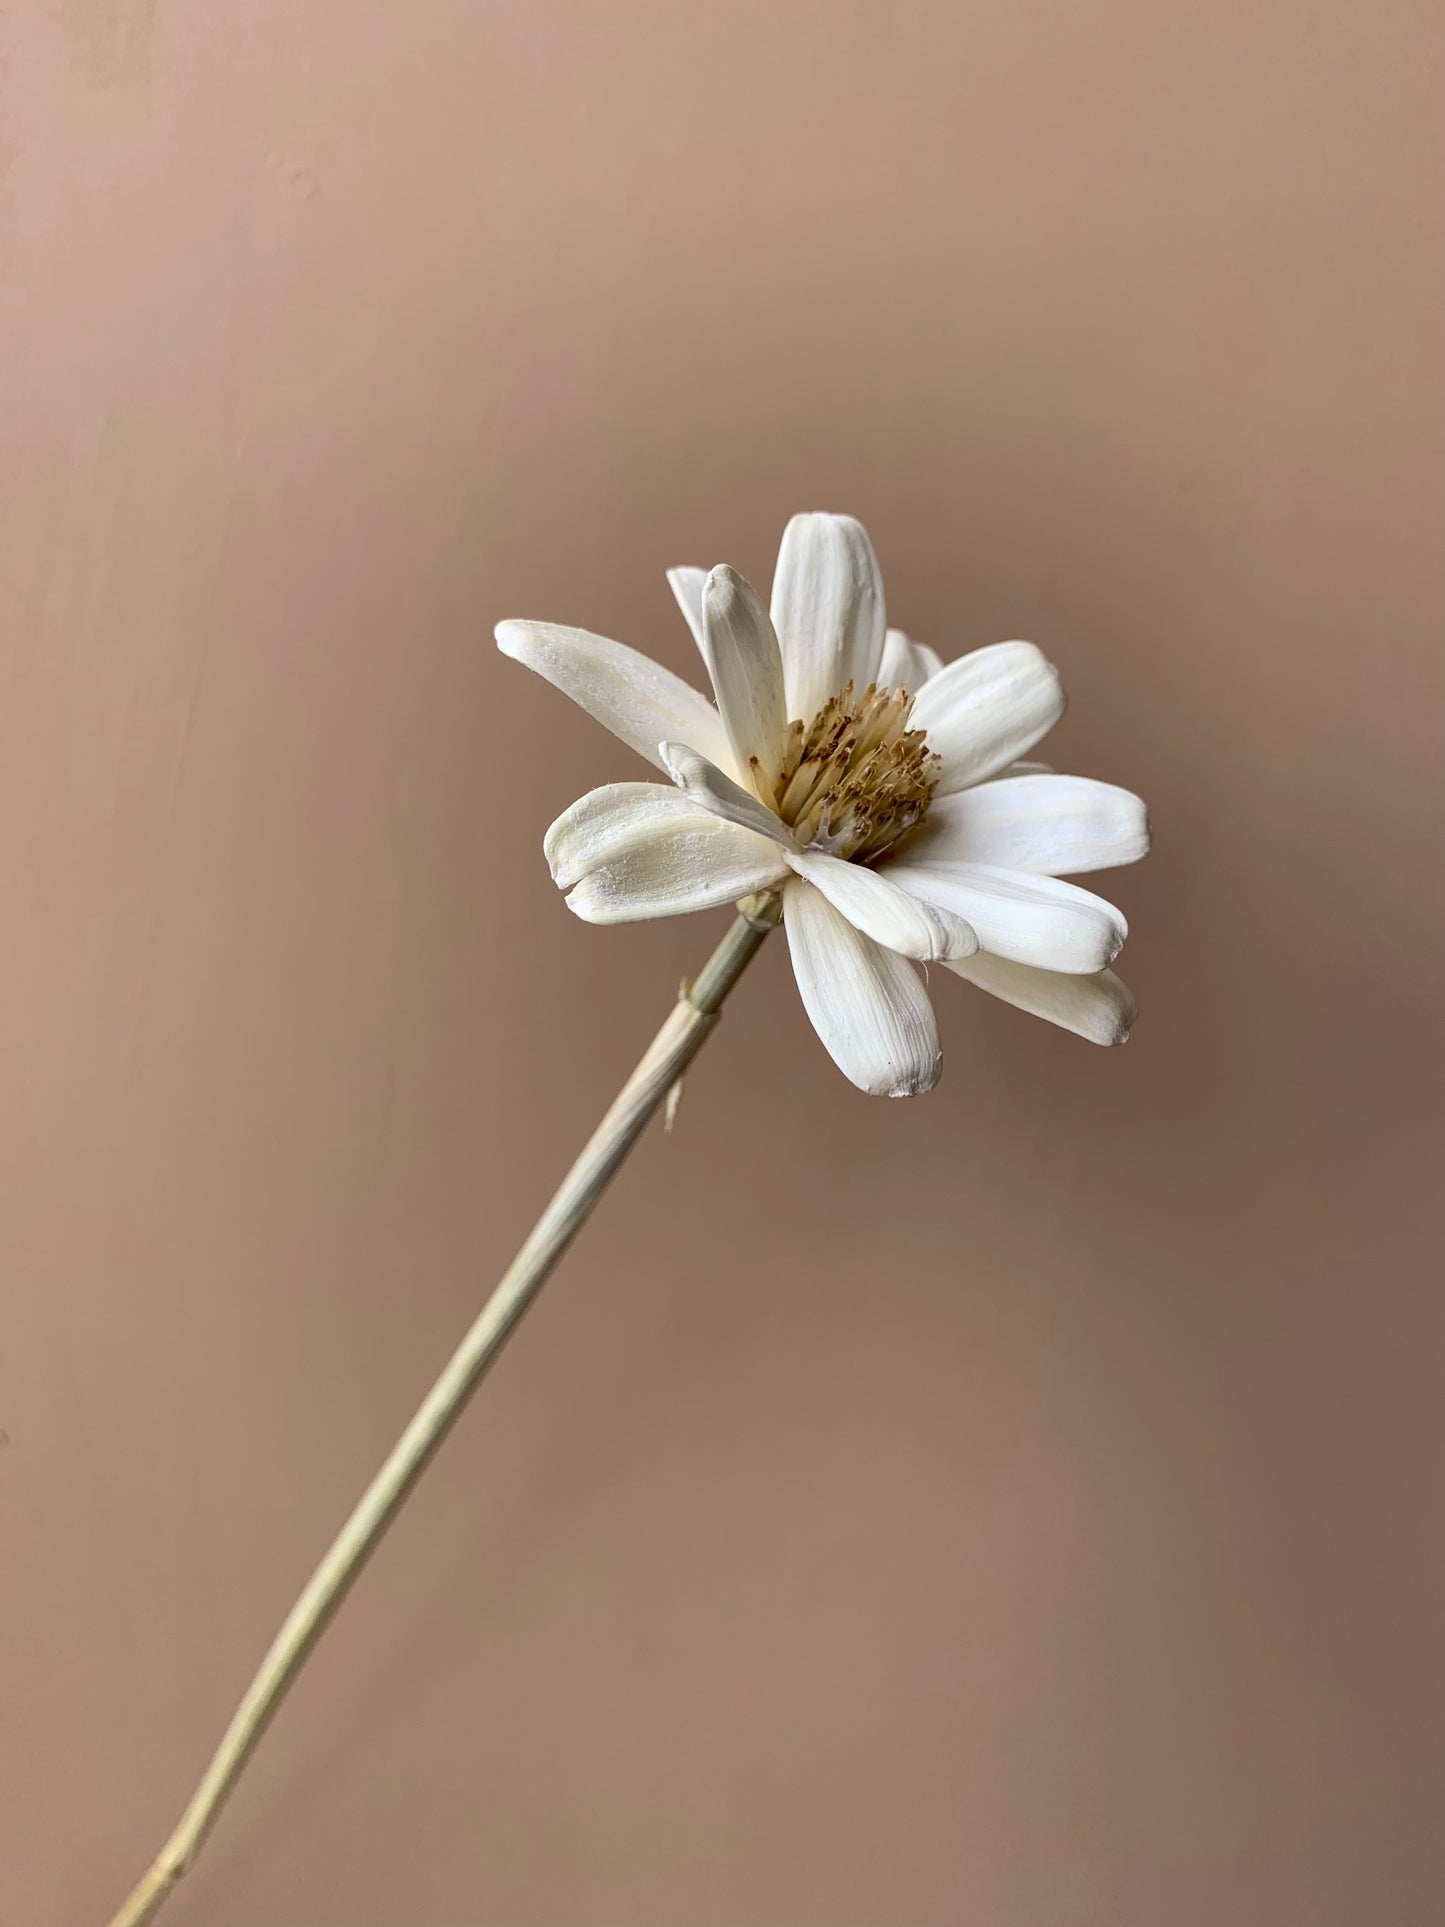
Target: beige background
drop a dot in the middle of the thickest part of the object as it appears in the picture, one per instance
(1020, 1508)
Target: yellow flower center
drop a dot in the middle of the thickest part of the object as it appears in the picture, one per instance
(856, 778)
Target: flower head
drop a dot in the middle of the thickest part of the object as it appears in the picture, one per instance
(877, 790)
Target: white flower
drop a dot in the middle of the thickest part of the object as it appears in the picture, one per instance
(878, 789)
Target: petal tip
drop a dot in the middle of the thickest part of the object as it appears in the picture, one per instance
(552, 847)
(962, 942)
(918, 1086)
(722, 591)
(1125, 1014)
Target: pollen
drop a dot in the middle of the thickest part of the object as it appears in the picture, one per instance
(855, 779)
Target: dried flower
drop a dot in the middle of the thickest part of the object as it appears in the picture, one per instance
(877, 789)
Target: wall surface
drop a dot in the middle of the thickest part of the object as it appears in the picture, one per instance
(1017, 1508)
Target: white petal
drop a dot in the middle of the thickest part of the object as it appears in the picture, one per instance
(907, 664)
(741, 653)
(1021, 769)
(686, 585)
(867, 1004)
(987, 708)
(1100, 1008)
(1032, 919)
(711, 789)
(634, 697)
(1055, 825)
(691, 863)
(601, 824)
(827, 609)
(884, 912)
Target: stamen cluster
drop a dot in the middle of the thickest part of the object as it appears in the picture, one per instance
(856, 778)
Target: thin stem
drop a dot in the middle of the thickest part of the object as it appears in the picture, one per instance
(662, 1065)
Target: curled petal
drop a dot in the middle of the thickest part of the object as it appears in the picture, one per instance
(636, 698)
(707, 785)
(1100, 1008)
(741, 652)
(673, 867)
(907, 664)
(884, 912)
(1054, 825)
(867, 1004)
(686, 585)
(827, 609)
(601, 825)
(986, 709)
(1030, 919)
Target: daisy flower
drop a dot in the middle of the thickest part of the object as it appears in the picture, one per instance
(876, 789)
(843, 779)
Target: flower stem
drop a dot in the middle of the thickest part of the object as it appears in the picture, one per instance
(662, 1065)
